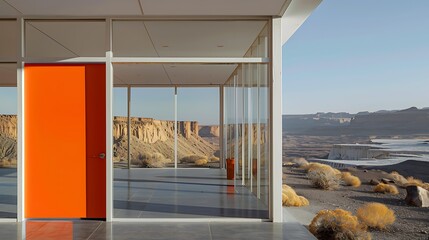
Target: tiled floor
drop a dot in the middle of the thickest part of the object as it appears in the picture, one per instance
(182, 193)
(101, 230)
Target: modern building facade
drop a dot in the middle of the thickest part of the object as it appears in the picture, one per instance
(67, 58)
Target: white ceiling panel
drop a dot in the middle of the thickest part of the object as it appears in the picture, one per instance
(207, 74)
(77, 7)
(65, 39)
(131, 39)
(8, 74)
(203, 38)
(180, 74)
(6, 10)
(8, 39)
(211, 7)
(140, 74)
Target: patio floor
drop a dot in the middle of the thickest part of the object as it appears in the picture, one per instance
(187, 231)
(182, 193)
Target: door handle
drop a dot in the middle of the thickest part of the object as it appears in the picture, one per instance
(102, 155)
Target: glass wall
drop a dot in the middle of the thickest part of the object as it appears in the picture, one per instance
(247, 127)
(8, 141)
(120, 128)
(152, 127)
(198, 127)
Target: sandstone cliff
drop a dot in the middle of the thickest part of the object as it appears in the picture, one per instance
(209, 131)
(8, 146)
(151, 136)
(8, 126)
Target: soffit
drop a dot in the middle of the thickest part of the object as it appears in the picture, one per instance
(184, 38)
(142, 7)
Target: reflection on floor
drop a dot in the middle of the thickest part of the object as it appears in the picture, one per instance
(182, 193)
(67, 230)
(8, 198)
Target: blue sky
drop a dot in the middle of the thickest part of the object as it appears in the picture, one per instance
(348, 56)
(357, 56)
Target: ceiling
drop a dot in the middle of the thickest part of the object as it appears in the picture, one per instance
(172, 74)
(184, 38)
(140, 8)
(8, 74)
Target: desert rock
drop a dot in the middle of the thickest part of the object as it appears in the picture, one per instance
(417, 196)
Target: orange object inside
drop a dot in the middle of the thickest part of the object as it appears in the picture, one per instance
(58, 138)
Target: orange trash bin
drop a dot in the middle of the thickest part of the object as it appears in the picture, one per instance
(230, 168)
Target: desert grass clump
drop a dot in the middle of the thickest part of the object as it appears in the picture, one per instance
(324, 178)
(398, 178)
(192, 158)
(157, 160)
(338, 224)
(376, 215)
(291, 199)
(201, 162)
(300, 162)
(386, 188)
(350, 180)
(315, 166)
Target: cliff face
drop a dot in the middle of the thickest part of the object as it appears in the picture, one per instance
(209, 131)
(8, 126)
(8, 147)
(148, 130)
(151, 136)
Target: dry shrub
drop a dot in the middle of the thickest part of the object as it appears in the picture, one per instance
(376, 215)
(324, 177)
(386, 188)
(4, 164)
(398, 178)
(214, 159)
(148, 160)
(201, 162)
(156, 161)
(314, 166)
(409, 181)
(291, 199)
(192, 159)
(338, 224)
(350, 180)
(300, 162)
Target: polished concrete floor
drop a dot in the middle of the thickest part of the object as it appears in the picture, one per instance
(32, 230)
(8, 197)
(182, 193)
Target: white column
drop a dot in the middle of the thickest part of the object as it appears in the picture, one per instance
(175, 127)
(276, 210)
(221, 127)
(21, 123)
(129, 126)
(109, 138)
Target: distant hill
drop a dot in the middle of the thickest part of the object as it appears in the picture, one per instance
(395, 122)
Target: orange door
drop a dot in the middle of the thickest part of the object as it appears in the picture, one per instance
(96, 141)
(59, 136)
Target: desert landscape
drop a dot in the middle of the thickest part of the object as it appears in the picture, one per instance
(152, 143)
(368, 158)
